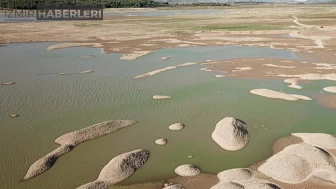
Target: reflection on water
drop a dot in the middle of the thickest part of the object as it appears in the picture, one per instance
(51, 105)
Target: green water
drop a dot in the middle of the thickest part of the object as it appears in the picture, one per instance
(52, 105)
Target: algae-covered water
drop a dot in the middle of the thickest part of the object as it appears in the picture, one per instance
(52, 105)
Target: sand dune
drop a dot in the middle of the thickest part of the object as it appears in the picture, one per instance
(231, 134)
(118, 169)
(278, 95)
(242, 179)
(187, 170)
(321, 140)
(299, 162)
(71, 140)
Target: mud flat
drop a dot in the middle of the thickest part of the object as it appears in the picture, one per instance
(187, 170)
(240, 69)
(135, 55)
(278, 66)
(118, 169)
(68, 45)
(242, 178)
(70, 140)
(330, 89)
(231, 134)
(278, 95)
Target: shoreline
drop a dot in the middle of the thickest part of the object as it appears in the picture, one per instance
(205, 180)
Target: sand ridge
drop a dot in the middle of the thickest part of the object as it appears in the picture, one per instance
(163, 70)
(278, 95)
(70, 140)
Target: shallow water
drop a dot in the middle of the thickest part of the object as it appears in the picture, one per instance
(52, 105)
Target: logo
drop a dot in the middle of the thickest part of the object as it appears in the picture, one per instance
(77, 12)
(37, 10)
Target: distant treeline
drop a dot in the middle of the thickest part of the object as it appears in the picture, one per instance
(20, 4)
(31, 4)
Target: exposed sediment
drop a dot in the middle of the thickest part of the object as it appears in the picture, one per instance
(242, 179)
(330, 89)
(118, 169)
(135, 55)
(8, 83)
(279, 66)
(163, 70)
(312, 76)
(187, 170)
(321, 140)
(278, 95)
(86, 71)
(161, 141)
(175, 186)
(299, 162)
(160, 97)
(67, 45)
(293, 83)
(176, 126)
(231, 134)
(70, 140)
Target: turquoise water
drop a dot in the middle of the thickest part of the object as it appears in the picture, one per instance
(52, 105)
